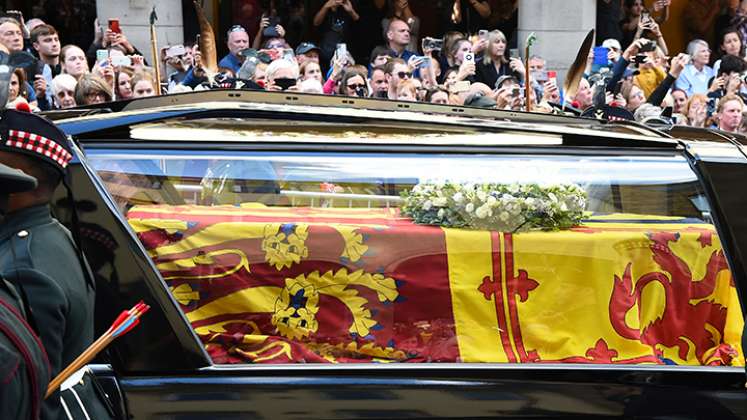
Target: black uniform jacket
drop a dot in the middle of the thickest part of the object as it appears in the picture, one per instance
(38, 255)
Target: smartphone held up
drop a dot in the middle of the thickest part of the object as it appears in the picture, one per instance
(114, 26)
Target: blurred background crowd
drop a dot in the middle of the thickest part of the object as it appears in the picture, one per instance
(376, 48)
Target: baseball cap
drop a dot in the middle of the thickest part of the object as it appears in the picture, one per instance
(479, 100)
(612, 43)
(503, 79)
(305, 47)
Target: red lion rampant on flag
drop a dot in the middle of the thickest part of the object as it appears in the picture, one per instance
(688, 320)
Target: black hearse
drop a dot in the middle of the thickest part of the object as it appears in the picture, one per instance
(293, 273)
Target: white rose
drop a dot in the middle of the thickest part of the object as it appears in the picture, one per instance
(491, 200)
(441, 213)
(563, 207)
(469, 207)
(458, 197)
(481, 195)
(483, 211)
(552, 197)
(504, 216)
(439, 201)
(427, 205)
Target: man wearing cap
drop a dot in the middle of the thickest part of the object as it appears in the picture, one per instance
(238, 40)
(37, 253)
(307, 51)
(614, 47)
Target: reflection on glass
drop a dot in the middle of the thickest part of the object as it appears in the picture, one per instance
(306, 257)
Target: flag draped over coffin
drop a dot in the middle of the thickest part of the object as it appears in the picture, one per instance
(286, 285)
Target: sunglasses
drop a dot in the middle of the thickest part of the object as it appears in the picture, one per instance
(236, 28)
(403, 74)
(357, 86)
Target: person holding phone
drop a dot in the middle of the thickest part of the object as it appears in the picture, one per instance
(353, 83)
(237, 39)
(269, 28)
(178, 60)
(281, 75)
(650, 74)
(634, 11)
(466, 16)
(112, 37)
(115, 38)
(463, 57)
(335, 20)
(494, 62)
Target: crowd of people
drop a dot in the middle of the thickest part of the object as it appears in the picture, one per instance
(631, 70)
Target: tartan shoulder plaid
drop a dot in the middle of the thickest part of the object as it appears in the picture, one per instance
(39, 144)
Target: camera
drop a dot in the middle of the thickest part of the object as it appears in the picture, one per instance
(285, 82)
(647, 46)
(433, 44)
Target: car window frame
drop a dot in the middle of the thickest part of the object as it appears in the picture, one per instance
(571, 151)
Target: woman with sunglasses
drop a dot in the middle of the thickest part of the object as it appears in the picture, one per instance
(353, 83)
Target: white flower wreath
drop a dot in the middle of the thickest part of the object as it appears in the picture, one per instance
(501, 207)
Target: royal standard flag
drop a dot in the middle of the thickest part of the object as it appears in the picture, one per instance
(289, 285)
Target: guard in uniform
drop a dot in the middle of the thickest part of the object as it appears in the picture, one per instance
(37, 253)
(22, 358)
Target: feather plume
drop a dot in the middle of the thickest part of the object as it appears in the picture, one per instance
(207, 41)
(576, 71)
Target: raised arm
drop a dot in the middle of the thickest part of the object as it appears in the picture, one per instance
(322, 13)
(482, 8)
(678, 63)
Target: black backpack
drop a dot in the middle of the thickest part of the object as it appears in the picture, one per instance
(24, 367)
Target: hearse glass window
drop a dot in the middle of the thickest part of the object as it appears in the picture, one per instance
(372, 257)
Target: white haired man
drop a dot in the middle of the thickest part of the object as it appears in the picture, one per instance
(281, 75)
